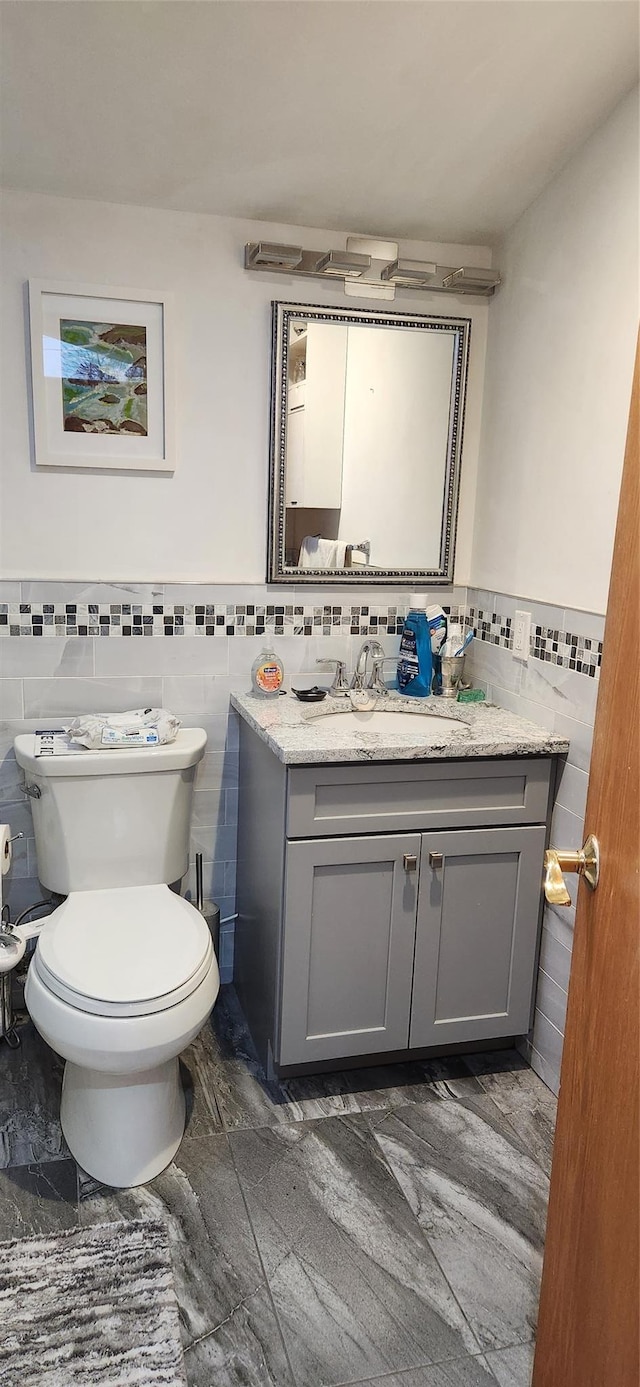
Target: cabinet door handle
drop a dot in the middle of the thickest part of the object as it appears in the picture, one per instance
(436, 859)
(410, 861)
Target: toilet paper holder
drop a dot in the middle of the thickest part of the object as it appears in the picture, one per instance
(7, 846)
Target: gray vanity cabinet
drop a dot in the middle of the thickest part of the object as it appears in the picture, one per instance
(387, 909)
(350, 909)
(400, 941)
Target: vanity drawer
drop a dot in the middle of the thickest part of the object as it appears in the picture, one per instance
(326, 800)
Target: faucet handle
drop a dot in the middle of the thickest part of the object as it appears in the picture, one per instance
(340, 686)
(375, 680)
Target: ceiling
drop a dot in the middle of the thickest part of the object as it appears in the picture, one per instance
(426, 119)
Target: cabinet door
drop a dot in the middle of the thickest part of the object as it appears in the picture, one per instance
(324, 414)
(477, 933)
(349, 934)
(294, 477)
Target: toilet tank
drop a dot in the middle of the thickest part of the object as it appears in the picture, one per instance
(112, 818)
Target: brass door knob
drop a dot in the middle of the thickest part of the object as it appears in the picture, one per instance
(586, 863)
(410, 861)
(436, 859)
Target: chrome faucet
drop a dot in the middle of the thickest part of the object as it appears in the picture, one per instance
(363, 677)
(359, 678)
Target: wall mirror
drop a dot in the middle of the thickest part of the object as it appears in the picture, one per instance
(367, 420)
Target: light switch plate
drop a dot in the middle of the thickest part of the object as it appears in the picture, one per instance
(521, 635)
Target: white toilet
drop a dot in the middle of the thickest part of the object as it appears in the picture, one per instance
(124, 974)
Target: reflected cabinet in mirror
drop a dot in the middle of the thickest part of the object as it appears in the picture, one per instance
(367, 420)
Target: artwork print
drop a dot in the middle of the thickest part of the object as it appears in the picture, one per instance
(104, 377)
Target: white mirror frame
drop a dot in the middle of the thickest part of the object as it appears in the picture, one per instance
(277, 570)
(105, 452)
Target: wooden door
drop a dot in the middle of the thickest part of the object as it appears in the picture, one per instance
(349, 933)
(477, 934)
(590, 1307)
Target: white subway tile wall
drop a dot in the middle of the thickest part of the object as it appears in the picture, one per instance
(557, 688)
(67, 648)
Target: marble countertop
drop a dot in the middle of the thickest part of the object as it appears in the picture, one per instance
(302, 734)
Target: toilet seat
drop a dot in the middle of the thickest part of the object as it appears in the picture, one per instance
(130, 951)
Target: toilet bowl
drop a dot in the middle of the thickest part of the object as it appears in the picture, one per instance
(121, 982)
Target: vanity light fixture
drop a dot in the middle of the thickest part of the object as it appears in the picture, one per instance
(409, 273)
(370, 269)
(343, 263)
(473, 281)
(268, 253)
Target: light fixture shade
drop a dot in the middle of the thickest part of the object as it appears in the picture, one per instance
(470, 279)
(369, 269)
(346, 264)
(269, 253)
(411, 273)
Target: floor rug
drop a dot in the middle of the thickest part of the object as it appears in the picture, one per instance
(90, 1307)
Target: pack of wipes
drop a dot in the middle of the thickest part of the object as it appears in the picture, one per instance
(143, 727)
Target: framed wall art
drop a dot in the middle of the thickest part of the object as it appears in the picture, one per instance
(101, 377)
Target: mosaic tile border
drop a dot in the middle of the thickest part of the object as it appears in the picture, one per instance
(174, 619)
(490, 627)
(580, 653)
(200, 619)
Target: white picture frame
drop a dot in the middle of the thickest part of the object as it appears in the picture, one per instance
(101, 376)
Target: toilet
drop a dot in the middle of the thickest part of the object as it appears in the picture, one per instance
(124, 975)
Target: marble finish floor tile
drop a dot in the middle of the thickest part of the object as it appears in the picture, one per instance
(228, 1065)
(244, 1096)
(459, 1372)
(203, 1117)
(394, 1085)
(356, 1287)
(523, 1098)
(230, 1332)
(502, 1075)
(30, 1086)
(481, 1201)
(502, 1067)
(367, 1272)
(38, 1199)
(513, 1367)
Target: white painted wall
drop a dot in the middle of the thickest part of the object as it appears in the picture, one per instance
(396, 426)
(561, 347)
(208, 521)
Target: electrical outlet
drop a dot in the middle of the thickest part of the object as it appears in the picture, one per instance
(521, 635)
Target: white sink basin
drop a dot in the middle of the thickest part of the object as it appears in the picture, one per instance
(423, 726)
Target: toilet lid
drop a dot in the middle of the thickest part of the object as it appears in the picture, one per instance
(128, 951)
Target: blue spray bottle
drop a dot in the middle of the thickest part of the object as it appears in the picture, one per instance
(415, 665)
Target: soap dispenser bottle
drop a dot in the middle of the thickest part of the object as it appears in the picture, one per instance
(267, 674)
